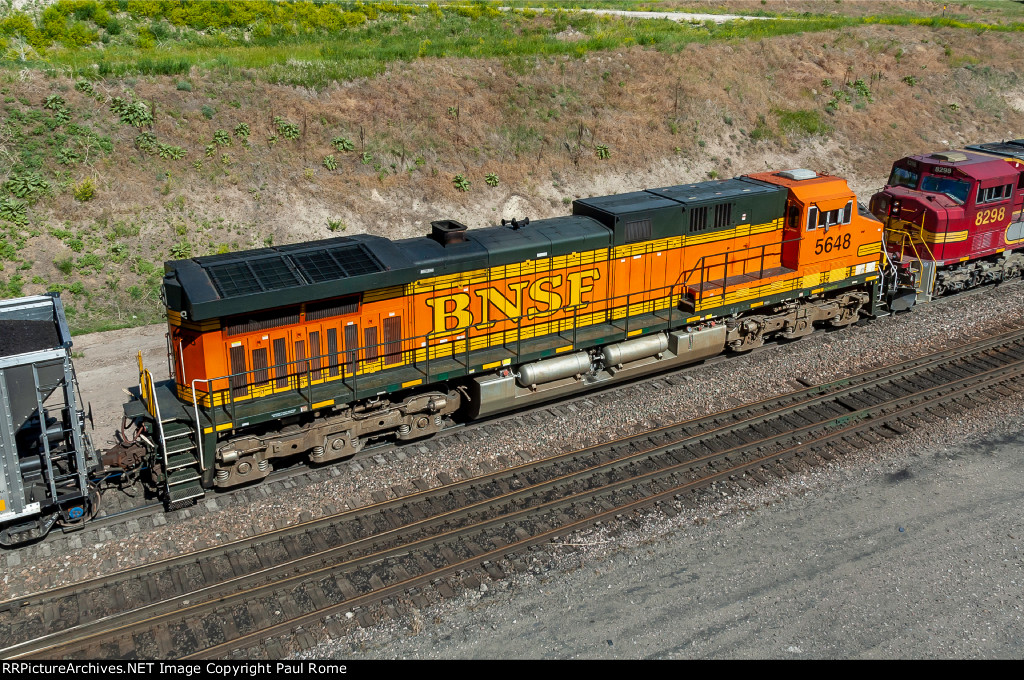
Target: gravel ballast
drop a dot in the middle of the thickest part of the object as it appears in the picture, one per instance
(912, 551)
(571, 425)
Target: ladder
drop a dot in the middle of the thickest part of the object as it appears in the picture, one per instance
(66, 467)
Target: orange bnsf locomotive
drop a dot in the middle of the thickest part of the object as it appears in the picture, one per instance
(953, 220)
(317, 348)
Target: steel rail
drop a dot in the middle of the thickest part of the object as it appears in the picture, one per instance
(1003, 372)
(735, 418)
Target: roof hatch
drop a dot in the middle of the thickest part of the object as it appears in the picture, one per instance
(949, 156)
(798, 174)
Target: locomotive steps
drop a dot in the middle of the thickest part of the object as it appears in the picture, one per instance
(429, 543)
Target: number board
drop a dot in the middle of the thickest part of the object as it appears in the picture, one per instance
(830, 244)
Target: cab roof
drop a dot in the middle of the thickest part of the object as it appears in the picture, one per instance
(820, 189)
(964, 163)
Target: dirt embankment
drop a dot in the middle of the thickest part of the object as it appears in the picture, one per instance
(842, 102)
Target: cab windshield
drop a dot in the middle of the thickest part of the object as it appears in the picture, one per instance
(901, 177)
(956, 189)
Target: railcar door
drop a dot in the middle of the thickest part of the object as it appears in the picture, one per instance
(382, 336)
(371, 342)
(792, 233)
(352, 354)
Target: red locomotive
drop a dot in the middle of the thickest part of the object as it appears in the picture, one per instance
(953, 220)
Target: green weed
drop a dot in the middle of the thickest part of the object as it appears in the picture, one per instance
(286, 128)
(805, 121)
(761, 131)
(13, 211)
(182, 250)
(131, 112)
(85, 190)
(30, 186)
(342, 144)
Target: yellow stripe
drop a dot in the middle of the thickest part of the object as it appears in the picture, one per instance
(692, 319)
(412, 382)
(632, 333)
(948, 237)
(321, 404)
(493, 364)
(466, 279)
(220, 428)
(383, 294)
(563, 349)
(869, 249)
(174, 319)
(767, 290)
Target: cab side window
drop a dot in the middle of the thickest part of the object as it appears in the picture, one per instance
(992, 194)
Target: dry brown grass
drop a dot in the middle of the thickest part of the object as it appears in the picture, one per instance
(850, 8)
(666, 118)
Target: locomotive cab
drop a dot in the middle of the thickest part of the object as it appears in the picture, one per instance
(823, 229)
(951, 220)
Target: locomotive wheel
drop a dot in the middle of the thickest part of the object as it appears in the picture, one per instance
(801, 329)
(748, 343)
(845, 317)
(749, 333)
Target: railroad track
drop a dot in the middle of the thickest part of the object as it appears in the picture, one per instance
(428, 543)
(145, 505)
(148, 508)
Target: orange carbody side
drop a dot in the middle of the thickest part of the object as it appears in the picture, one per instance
(476, 310)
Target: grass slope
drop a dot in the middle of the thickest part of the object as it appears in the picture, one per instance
(248, 144)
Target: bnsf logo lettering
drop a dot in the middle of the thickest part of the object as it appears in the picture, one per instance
(535, 299)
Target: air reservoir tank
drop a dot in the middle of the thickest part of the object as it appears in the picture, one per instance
(548, 370)
(631, 350)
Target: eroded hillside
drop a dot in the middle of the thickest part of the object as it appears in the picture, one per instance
(228, 163)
